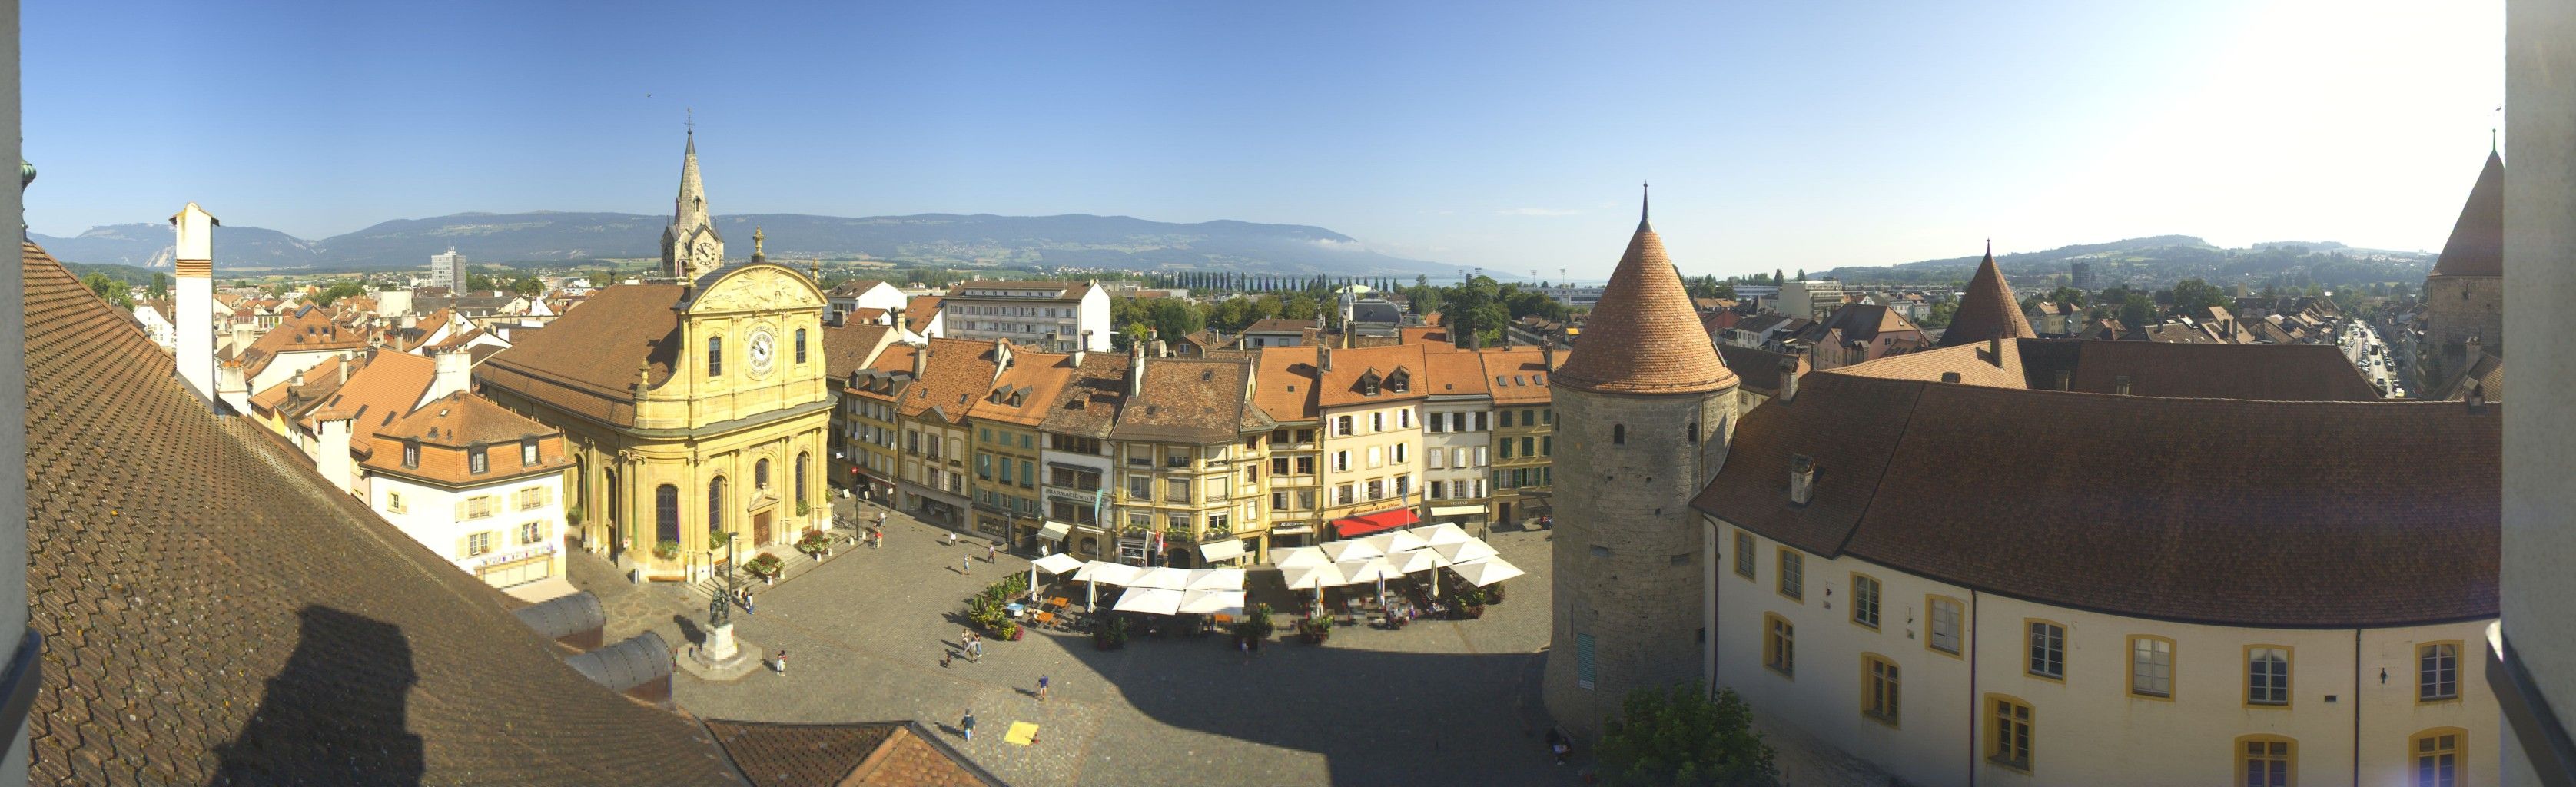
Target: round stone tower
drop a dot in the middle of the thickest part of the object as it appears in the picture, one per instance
(1643, 410)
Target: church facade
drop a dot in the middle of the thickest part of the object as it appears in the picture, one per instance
(694, 409)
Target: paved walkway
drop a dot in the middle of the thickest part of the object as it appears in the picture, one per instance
(1443, 702)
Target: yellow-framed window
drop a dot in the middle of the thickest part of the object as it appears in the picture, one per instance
(1793, 575)
(1865, 592)
(2267, 676)
(1881, 692)
(2436, 757)
(1949, 624)
(2437, 671)
(1780, 645)
(2151, 667)
(2009, 732)
(2266, 761)
(2047, 642)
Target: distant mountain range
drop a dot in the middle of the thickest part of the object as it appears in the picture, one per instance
(2164, 259)
(936, 239)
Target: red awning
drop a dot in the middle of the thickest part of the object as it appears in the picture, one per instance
(1390, 519)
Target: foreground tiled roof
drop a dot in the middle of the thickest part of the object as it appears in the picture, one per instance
(1986, 309)
(2264, 372)
(585, 361)
(215, 613)
(1644, 337)
(888, 754)
(2476, 247)
(1759, 369)
(1286, 384)
(1088, 405)
(1190, 400)
(846, 347)
(2223, 511)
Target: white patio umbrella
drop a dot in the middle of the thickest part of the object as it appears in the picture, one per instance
(1346, 551)
(1301, 557)
(1216, 579)
(1487, 571)
(1419, 560)
(1397, 541)
(1208, 602)
(1096, 572)
(1161, 578)
(1371, 569)
(1155, 601)
(1315, 577)
(1443, 533)
(1471, 549)
(1058, 564)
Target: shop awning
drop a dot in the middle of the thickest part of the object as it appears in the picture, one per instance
(1457, 510)
(1227, 549)
(1390, 519)
(1054, 531)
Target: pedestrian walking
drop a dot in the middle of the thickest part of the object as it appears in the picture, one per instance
(992, 551)
(968, 725)
(1042, 688)
(952, 538)
(782, 662)
(746, 601)
(965, 563)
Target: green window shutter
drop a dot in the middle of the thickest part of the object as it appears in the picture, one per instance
(1584, 671)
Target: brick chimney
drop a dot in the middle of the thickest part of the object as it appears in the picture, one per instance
(899, 321)
(1135, 370)
(194, 272)
(921, 362)
(1547, 352)
(1788, 380)
(1802, 479)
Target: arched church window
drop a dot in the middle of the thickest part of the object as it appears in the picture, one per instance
(666, 512)
(715, 504)
(715, 356)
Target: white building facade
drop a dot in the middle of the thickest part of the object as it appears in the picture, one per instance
(1051, 315)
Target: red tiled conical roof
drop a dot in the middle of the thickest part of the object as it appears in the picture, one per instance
(1644, 338)
(2476, 247)
(1987, 308)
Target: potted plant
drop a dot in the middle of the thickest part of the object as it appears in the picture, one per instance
(572, 516)
(667, 550)
(1314, 630)
(766, 567)
(1111, 635)
(804, 508)
(1010, 630)
(1471, 602)
(815, 543)
(1494, 593)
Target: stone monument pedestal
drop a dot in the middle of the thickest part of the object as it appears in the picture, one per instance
(721, 657)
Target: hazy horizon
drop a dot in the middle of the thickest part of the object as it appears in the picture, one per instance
(1509, 137)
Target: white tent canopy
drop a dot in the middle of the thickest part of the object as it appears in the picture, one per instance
(1300, 557)
(1371, 570)
(1396, 541)
(1416, 560)
(1155, 601)
(1443, 533)
(1206, 602)
(1487, 571)
(1161, 577)
(1347, 551)
(1314, 577)
(1216, 579)
(1112, 573)
(1463, 551)
(1058, 563)
(1216, 551)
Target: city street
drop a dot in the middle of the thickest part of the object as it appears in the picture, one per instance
(2363, 348)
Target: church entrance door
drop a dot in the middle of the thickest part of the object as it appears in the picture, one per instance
(760, 528)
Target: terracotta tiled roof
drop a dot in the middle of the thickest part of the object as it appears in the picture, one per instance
(1088, 404)
(1519, 375)
(854, 287)
(215, 613)
(1433, 338)
(447, 427)
(1340, 385)
(960, 371)
(1643, 337)
(386, 387)
(887, 754)
(920, 309)
(2487, 372)
(846, 347)
(1073, 290)
(585, 361)
(1759, 370)
(2222, 511)
(2476, 247)
(1974, 363)
(308, 331)
(1454, 373)
(1286, 384)
(1022, 396)
(1190, 400)
(1276, 325)
(1986, 308)
(2261, 372)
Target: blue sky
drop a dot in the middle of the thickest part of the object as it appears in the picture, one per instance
(1508, 136)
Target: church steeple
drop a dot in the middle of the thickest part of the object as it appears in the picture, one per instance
(691, 246)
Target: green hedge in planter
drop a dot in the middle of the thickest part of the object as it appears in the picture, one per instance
(766, 566)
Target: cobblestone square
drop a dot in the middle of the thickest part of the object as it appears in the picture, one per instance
(1439, 702)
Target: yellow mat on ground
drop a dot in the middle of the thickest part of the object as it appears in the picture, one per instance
(1022, 733)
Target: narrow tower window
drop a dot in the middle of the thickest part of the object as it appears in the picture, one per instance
(1618, 434)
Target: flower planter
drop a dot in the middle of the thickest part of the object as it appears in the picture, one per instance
(1471, 612)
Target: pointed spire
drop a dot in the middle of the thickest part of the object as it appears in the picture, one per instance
(1987, 308)
(1644, 337)
(2476, 246)
(1645, 207)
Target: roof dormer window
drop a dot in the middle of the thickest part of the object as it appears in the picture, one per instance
(1368, 384)
(1399, 382)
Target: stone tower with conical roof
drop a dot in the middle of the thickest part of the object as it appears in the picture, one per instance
(2464, 296)
(1987, 308)
(1643, 410)
(691, 246)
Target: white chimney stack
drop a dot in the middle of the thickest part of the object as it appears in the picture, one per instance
(193, 305)
(455, 372)
(331, 456)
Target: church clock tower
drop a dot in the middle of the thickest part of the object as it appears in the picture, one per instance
(690, 246)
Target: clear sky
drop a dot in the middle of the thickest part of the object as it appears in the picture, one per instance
(1509, 136)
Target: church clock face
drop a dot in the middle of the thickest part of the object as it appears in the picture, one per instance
(764, 350)
(706, 251)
